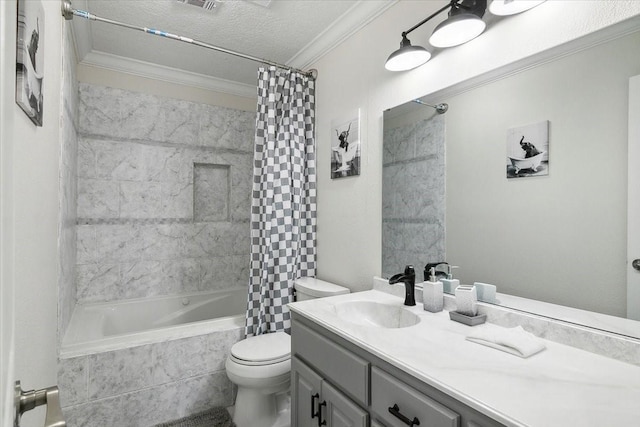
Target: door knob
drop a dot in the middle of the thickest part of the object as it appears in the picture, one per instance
(636, 264)
(27, 400)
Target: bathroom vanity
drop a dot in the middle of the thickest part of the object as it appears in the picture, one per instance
(350, 370)
(334, 379)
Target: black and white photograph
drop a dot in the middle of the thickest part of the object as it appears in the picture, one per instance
(345, 146)
(30, 59)
(528, 150)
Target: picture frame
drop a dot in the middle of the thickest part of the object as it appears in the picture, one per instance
(528, 150)
(30, 59)
(346, 146)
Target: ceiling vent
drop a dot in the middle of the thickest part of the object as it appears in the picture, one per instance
(209, 5)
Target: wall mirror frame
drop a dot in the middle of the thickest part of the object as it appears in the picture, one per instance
(576, 214)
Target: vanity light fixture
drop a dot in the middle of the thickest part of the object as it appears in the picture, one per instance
(463, 24)
(461, 14)
(407, 57)
(511, 7)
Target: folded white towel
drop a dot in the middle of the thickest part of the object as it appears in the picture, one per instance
(512, 340)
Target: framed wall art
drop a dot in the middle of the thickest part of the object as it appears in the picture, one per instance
(345, 146)
(528, 150)
(30, 59)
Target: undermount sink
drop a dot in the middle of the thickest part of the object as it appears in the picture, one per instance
(369, 313)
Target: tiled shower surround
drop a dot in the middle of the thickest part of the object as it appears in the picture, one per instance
(164, 191)
(163, 207)
(413, 195)
(68, 185)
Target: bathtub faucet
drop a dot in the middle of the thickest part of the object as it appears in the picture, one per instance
(409, 280)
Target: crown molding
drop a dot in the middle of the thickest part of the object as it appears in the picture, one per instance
(358, 16)
(352, 21)
(167, 74)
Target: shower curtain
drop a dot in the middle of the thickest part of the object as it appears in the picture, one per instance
(283, 206)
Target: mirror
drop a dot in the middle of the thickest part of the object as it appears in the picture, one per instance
(557, 238)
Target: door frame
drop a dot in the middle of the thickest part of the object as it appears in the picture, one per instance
(633, 200)
(7, 220)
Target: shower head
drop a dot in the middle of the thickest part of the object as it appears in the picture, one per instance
(440, 108)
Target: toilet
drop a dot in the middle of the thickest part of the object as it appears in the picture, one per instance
(261, 367)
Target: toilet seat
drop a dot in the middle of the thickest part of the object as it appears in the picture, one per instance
(261, 350)
(261, 361)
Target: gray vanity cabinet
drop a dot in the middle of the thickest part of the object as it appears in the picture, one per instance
(352, 386)
(319, 403)
(305, 391)
(340, 411)
(393, 401)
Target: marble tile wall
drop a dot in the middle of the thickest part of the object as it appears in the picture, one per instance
(148, 384)
(211, 192)
(413, 196)
(148, 224)
(68, 184)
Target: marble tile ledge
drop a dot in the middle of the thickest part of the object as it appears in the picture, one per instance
(591, 339)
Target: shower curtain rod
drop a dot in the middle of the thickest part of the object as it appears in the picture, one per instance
(69, 12)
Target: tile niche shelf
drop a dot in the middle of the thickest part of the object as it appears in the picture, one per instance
(211, 192)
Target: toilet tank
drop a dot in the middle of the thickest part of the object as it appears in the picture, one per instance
(310, 288)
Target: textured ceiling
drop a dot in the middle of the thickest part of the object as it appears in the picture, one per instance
(279, 32)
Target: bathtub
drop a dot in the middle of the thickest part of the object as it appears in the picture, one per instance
(529, 163)
(100, 327)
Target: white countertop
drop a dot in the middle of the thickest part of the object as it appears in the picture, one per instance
(561, 386)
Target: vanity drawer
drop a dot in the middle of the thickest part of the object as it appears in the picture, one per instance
(343, 368)
(387, 391)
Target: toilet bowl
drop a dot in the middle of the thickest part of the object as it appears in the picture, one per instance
(261, 367)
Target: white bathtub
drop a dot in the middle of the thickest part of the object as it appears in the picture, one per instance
(528, 163)
(100, 327)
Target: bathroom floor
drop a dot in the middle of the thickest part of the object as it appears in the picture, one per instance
(215, 417)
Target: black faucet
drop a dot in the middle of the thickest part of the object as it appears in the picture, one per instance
(435, 265)
(409, 279)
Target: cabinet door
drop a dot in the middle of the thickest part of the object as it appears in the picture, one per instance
(305, 394)
(340, 411)
(343, 368)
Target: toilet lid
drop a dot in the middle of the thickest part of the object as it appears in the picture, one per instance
(318, 288)
(267, 348)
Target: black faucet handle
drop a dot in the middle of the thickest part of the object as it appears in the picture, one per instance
(435, 265)
(409, 270)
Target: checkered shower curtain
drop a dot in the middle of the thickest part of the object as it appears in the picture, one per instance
(283, 207)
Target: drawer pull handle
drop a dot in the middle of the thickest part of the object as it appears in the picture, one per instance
(395, 411)
(313, 406)
(321, 422)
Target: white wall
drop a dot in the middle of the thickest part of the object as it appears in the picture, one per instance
(353, 76)
(30, 157)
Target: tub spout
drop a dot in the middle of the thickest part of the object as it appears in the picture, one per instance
(409, 280)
